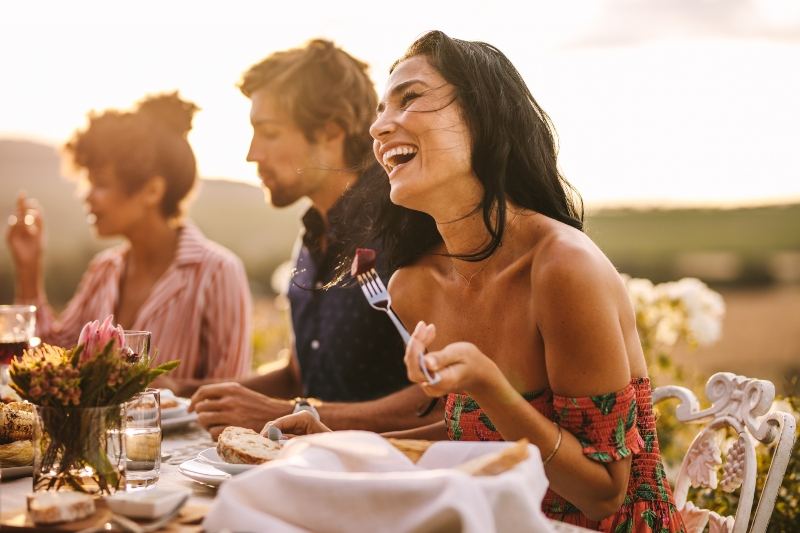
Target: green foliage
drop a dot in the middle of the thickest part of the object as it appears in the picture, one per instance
(57, 377)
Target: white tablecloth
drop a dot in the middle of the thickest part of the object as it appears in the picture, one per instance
(181, 445)
(348, 481)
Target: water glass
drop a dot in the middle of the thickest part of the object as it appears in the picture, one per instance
(17, 325)
(143, 439)
(137, 344)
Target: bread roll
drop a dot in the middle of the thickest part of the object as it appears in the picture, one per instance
(413, 449)
(244, 446)
(16, 422)
(169, 403)
(17, 453)
(54, 507)
(492, 464)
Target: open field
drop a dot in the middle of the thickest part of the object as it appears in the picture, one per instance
(760, 337)
(743, 246)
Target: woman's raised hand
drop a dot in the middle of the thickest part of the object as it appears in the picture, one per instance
(24, 235)
(461, 365)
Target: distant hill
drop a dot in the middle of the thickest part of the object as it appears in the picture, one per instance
(233, 214)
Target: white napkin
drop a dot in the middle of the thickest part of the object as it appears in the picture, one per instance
(356, 481)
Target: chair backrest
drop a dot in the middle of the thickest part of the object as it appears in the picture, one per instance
(742, 404)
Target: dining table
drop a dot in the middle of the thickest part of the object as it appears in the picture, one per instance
(178, 445)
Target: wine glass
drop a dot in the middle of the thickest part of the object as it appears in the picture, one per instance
(17, 325)
(137, 344)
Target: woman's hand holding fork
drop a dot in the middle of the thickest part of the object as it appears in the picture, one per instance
(461, 365)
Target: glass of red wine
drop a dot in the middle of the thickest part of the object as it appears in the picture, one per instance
(17, 325)
(137, 344)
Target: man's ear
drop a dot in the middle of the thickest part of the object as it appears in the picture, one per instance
(330, 132)
(154, 190)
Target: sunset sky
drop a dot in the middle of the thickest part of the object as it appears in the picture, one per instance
(656, 102)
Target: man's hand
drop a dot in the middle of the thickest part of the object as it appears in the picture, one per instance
(300, 423)
(231, 404)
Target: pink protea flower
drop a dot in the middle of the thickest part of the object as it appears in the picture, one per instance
(95, 337)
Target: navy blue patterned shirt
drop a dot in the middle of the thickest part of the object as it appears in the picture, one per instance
(348, 351)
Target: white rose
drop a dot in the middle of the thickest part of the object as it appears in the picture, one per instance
(668, 330)
(704, 329)
(640, 292)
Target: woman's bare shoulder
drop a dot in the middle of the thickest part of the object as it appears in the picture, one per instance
(579, 300)
(564, 254)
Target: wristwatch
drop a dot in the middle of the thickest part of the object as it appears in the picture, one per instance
(303, 404)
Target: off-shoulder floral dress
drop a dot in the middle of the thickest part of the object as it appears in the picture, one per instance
(609, 427)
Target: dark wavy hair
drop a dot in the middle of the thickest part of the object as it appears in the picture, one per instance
(137, 145)
(514, 150)
(321, 83)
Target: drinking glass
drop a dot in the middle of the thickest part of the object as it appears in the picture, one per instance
(17, 325)
(143, 439)
(137, 344)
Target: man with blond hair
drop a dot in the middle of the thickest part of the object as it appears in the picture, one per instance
(311, 109)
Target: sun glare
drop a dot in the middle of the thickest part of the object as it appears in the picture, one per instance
(686, 120)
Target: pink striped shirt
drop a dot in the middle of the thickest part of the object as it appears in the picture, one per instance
(199, 311)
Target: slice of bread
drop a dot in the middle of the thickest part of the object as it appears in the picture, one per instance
(492, 464)
(412, 448)
(169, 403)
(16, 422)
(17, 453)
(244, 446)
(54, 507)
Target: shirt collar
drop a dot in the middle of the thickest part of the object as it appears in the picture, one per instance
(314, 225)
(191, 245)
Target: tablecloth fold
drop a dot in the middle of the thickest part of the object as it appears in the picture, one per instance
(356, 481)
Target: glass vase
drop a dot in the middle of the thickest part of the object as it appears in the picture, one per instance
(79, 449)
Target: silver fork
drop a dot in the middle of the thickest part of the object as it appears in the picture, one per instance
(378, 297)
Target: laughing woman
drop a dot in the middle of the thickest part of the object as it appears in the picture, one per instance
(526, 321)
(523, 317)
(167, 278)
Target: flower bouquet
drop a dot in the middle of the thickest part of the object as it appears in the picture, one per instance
(79, 395)
(667, 313)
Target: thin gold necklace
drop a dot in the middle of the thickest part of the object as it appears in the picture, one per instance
(468, 279)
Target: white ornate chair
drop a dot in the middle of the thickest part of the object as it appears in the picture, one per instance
(742, 404)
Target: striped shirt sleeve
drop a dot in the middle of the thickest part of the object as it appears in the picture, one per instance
(227, 320)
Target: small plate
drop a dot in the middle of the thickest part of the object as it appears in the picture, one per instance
(13, 472)
(210, 456)
(151, 503)
(178, 421)
(203, 472)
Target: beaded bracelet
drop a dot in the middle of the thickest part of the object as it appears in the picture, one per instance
(555, 448)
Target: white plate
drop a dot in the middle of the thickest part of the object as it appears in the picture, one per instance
(210, 456)
(178, 421)
(151, 503)
(13, 472)
(203, 472)
(178, 410)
